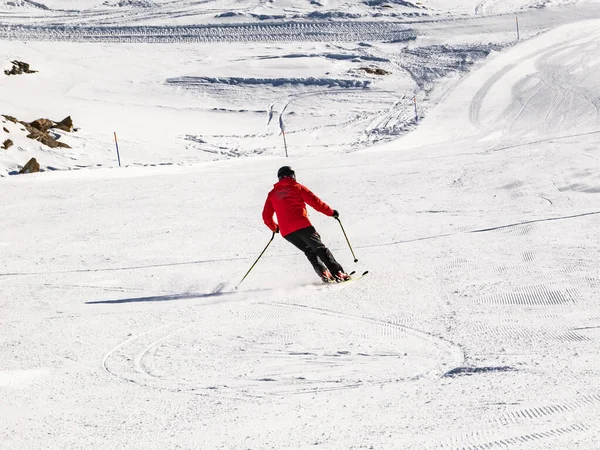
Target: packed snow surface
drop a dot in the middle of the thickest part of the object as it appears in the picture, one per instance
(478, 325)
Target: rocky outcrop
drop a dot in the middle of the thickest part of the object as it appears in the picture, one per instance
(10, 118)
(18, 68)
(41, 125)
(38, 130)
(32, 166)
(7, 144)
(45, 138)
(66, 124)
(375, 71)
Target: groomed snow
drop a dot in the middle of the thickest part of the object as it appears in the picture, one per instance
(476, 328)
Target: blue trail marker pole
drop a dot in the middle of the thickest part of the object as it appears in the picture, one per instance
(518, 34)
(117, 145)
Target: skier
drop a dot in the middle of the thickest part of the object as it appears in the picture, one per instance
(288, 201)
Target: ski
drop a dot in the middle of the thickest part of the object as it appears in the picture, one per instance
(353, 277)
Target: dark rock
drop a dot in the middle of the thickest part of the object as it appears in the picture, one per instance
(42, 125)
(32, 166)
(18, 68)
(39, 130)
(66, 124)
(6, 130)
(10, 118)
(375, 71)
(7, 144)
(45, 139)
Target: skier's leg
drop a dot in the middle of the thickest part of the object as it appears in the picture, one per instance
(296, 238)
(313, 240)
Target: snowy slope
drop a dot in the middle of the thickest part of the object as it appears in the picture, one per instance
(544, 88)
(211, 100)
(191, 12)
(476, 328)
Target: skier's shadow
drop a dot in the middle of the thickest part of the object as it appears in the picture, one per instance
(219, 292)
(159, 298)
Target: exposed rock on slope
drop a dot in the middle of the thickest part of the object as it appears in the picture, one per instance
(375, 71)
(18, 68)
(38, 130)
(31, 167)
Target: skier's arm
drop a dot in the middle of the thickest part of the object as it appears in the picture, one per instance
(267, 215)
(314, 201)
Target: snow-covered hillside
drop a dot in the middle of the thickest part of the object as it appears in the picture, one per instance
(103, 12)
(342, 86)
(477, 326)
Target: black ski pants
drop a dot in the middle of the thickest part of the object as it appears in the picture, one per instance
(308, 240)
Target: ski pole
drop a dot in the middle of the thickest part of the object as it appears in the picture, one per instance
(257, 259)
(346, 236)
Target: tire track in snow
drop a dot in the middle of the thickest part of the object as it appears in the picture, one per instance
(508, 442)
(519, 230)
(529, 416)
(118, 15)
(529, 257)
(539, 295)
(470, 266)
(520, 333)
(519, 416)
(249, 32)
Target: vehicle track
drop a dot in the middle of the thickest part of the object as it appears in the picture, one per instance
(539, 295)
(117, 14)
(528, 425)
(539, 412)
(520, 333)
(261, 32)
(521, 439)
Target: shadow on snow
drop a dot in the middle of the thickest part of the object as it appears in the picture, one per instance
(219, 292)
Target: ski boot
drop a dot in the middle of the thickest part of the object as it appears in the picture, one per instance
(342, 276)
(326, 277)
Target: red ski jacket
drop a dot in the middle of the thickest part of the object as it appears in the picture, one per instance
(288, 200)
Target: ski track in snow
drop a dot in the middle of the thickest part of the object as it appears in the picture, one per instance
(302, 367)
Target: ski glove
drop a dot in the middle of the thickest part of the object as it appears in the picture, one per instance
(276, 229)
(336, 214)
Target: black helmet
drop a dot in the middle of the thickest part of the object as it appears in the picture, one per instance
(286, 171)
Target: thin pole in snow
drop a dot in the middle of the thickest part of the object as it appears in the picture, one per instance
(282, 128)
(117, 145)
(416, 114)
(518, 34)
(284, 143)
